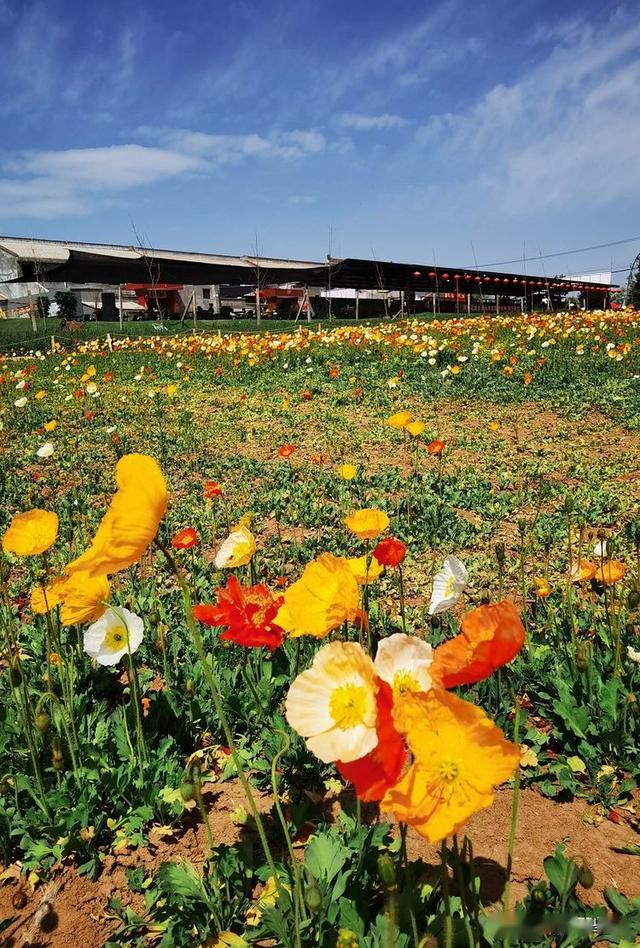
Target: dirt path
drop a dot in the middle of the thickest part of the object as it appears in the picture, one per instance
(80, 917)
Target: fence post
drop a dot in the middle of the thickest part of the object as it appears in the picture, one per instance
(53, 345)
(109, 342)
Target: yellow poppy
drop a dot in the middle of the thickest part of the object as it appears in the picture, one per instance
(367, 523)
(40, 395)
(611, 572)
(325, 596)
(171, 389)
(82, 596)
(460, 756)
(43, 600)
(31, 533)
(50, 426)
(131, 522)
(415, 428)
(400, 420)
(347, 471)
(363, 572)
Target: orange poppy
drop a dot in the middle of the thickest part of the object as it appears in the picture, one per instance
(373, 774)
(436, 447)
(184, 539)
(286, 450)
(211, 489)
(583, 571)
(246, 612)
(390, 552)
(491, 636)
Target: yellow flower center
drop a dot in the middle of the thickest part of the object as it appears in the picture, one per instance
(448, 768)
(116, 638)
(348, 705)
(450, 587)
(404, 682)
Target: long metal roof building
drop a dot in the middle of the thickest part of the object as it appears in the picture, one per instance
(25, 259)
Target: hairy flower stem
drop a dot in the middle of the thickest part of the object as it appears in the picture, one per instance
(457, 862)
(402, 609)
(444, 878)
(514, 814)
(408, 871)
(298, 899)
(21, 699)
(217, 702)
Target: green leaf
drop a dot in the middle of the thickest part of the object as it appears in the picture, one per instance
(577, 765)
(324, 857)
(181, 881)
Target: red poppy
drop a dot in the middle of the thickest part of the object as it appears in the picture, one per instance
(491, 636)
(78, 393)
(380, 769)
(89, 415)
(390, 552)
(307, 396)
(211, 489)
(286, 450)
(108, 377)
(247, 612)
(184, 539)
(436, 447)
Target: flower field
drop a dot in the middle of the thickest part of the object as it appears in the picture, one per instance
(323, 637)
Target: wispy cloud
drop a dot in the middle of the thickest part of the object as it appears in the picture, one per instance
(563, 132)
(367, 123)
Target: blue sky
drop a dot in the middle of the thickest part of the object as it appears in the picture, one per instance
(406, 130)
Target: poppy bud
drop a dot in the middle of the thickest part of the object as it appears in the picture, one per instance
(313, 898)
(633, 599)
(568, 504)
(582, 655)
(500, 554)
(429, 941)
(189, 688)
(585, 875)
(386, 871)
(540, 894)
(347, 939)
(522, 527)
(43, 722)
(57, 757)
(187, 791)
(15, 675)
(631, 698)
(5, 786)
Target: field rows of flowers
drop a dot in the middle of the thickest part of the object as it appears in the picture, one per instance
(398, 565)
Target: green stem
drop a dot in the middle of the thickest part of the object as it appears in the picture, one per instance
(444, 876)
(217, 701)
(298, 900)
(514, 815)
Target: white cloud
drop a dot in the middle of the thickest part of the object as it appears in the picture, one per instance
(365, 123)
(70, 181)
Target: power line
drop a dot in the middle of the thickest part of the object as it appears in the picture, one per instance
(560, 253)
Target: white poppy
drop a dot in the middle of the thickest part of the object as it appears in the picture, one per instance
(91, 388)
(333, 704)
(600, 549)
(21, 384)
(113, 635)
(448, 585)
(20, 402)
(46, 450)
(236, 550)
(403, 662)
(633, 654)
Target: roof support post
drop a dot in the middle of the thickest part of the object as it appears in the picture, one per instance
(357, 304)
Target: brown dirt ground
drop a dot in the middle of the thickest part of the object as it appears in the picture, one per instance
(81, 919)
